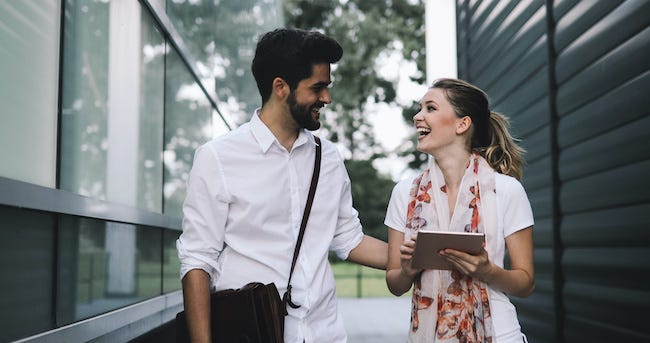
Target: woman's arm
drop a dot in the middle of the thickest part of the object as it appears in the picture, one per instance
(518, 281)
(399, 274)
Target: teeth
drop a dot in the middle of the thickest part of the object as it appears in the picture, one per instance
(423, 131)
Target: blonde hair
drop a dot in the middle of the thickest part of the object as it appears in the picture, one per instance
(503, 154)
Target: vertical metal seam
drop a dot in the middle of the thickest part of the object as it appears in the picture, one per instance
(56, 217)
(558, 248)
(162, 162)
(466, 41)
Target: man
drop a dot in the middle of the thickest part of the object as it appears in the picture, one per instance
(247, 192)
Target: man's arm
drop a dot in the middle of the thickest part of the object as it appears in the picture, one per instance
(370, 252)
(196, 298)
(205, 210)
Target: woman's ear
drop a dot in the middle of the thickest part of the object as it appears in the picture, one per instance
(280, 88)
(464, 124)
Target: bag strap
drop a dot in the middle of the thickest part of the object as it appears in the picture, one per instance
(286, 298)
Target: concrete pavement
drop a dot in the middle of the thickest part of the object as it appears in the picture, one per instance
(376, 320)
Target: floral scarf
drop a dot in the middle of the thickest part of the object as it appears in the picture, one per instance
(447, 305)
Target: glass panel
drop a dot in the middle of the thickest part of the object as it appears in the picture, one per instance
(26, 255)
(159, 3)
(112, 104)
(84, 104)
(238, 26)
(219, 126)
(195, 22)
(171, 263)
(104, 266)
(222, 39)
(152, 106)
(188, 124)
(29, 51)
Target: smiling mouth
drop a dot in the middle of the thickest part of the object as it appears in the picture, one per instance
(423, 131)
(316, 110)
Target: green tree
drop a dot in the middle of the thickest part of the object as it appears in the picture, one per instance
(367, 30)
(370, 193)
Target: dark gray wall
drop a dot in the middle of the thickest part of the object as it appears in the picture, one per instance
(574, 77)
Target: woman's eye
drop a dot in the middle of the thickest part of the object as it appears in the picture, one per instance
(430, 108)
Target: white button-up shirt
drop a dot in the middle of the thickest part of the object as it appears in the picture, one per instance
(245, 200)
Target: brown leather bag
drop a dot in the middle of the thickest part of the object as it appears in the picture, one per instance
(254, 313)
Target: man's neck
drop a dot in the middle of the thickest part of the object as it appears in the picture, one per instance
(279, 121)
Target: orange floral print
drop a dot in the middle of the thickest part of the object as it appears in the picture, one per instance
(462, 310)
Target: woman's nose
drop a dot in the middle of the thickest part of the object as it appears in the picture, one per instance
(417, 116)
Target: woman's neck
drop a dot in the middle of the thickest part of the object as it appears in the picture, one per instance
(453, 165)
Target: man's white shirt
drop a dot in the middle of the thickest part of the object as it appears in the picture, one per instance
(245, 199)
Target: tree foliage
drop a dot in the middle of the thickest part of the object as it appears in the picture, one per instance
(368, 31)
(370, 193)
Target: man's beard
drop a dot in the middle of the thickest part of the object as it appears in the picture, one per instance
(302, 113)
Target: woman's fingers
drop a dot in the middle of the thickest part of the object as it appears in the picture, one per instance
(465, 263)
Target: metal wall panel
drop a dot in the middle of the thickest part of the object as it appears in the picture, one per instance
(581, 106)
(26, 261)
(506, 55)
(603, 64)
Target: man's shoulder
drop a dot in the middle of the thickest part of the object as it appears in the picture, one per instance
(228, 145)
(237, 137)
(329, 149)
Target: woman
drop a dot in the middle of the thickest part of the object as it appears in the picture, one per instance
(471, 184)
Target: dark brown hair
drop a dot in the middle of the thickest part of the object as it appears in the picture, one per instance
(290, 54)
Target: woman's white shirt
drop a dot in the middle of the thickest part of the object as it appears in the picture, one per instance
(514, 213)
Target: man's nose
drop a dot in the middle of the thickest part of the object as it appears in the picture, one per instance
(325, 96)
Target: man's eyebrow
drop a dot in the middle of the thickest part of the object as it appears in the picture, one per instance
(322, 84)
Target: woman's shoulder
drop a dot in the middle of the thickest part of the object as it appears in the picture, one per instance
(509, 188)
(507, 182)
(404, 185)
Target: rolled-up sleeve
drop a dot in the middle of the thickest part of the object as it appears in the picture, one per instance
(205, 212)
(348, 229)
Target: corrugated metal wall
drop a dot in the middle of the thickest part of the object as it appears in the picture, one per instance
(582, 107)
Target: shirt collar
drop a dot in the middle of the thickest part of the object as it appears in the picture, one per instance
(265, 137)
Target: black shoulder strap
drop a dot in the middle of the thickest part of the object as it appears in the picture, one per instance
(286, 299)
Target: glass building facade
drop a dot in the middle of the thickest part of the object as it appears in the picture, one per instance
(103, 103)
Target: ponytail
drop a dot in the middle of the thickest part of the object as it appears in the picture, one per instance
(503, 154)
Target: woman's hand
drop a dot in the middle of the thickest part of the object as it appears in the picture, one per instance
(399, 273)
(519, 280)
(406, 257)
(476, 266)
